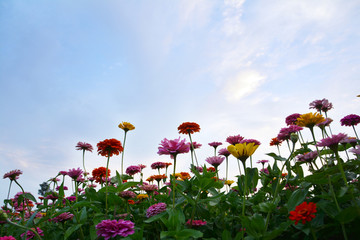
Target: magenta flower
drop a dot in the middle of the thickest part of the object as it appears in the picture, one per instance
(63, 173)
(247, 141)
(285, 133)
(291, 119)
(307, 157)
(350, 120)
(234, 139)
(265, 171)
(84, 146)
(173, 147)
(332, 142)
(224, 152)
(30, 235)
(215, 160)
(262, 161)
(64, 188)
(321, 105)
(142, 166)
(132, 170)
(63, 217)
(112, 228)
(196, 145)
(196, 223)
(325, 123)
(74, 173)
(13, 175)
(356, 150)
(127, 194)
(155, 209)
(158, 165)
(149, 188)
(215, 144)
(7, 238)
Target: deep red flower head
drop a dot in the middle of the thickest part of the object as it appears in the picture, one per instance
(275, 142)
(100, 173)
(189, 128)
(109, 146)
(303, 212)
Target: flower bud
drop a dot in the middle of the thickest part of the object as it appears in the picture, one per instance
(294, 137)
(3, 215)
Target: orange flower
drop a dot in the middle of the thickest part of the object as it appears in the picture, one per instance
(303, 212)
(275, 142)
(109, 147)
(211, 169)
(100, 173)
(159, 177)
(167, 164)
(126, 126)
(284, 174)
(189, 128)
(185, 175)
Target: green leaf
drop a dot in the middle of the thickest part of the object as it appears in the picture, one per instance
(155, 218)
(349, 214)
(226, 235)
(83, 215)
(70, 230)
(276, 157)
(266, 207)
(126, 185)
(297, 197)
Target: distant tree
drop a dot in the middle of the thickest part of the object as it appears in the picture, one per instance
(44, 188)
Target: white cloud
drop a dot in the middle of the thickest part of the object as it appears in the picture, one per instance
(243, 84)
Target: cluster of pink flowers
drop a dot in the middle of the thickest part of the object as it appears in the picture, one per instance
(112, 228)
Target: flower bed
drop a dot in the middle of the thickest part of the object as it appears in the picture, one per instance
(276, 201)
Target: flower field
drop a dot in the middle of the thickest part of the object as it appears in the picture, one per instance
(310, 193)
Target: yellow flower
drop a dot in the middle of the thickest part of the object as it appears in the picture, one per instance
(126, 126)
(142, 196)
(229, 182)
(309, 119)
(242, 150)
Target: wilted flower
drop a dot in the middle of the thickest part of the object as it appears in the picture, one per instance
(155, 209)
(303, 212)
(234, 139)
(112, 228)
(126, 126)
(13, 175)
(350, 120)
(291, 119)
(215, 160)
(321, 105)
(109, 147)
(84, 146)
(189, 128)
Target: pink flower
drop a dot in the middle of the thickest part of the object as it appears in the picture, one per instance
(149, 187)
(196, 223)
(84, 146)
(265, 170)
(224, 152)
(196, 145)
(63, 217)
(350, 120)
(74, 173)
(215, 144)
(158, 165)
(132, 170)
(13, 175)
(127, 194)
(256, 142)
(262, 161)
(112, 228)
(234, 139)
(30, 235)
(215, 160)
(332, 142)
(173, 147)
(142, 166)
(155, 209)
(7, 238)
(307, 157)
(285, 133)
(321, 105)
(356, 150)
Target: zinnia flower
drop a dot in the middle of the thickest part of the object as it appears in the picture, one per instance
(229, 182)
(196, 223)
(307, 157)
(149, 188)
(196, 145)
(332, 142)
(132, 170)
(126, 126)
(13, 175)
(285, 133)
(215, 144)
(242, 150)
(109, 147)
(173, 147)
(234, 139)
(309, 120)
(84, 146)
(100, 173)
(224, 152)
(142, 196)
(303, 212)
(256, 142)
(158, 165)
(30, 234)
(324, 123)
(215, 160)
(350, 120)
(112, 228)
(127, 194)
(321, 105)
(7, 238)
(159, 177)
(185, 175)
(63, 217)
(275, 142)
(74, 173)
(189, 128)
(155, 209)
(291, 119)
(356, 150)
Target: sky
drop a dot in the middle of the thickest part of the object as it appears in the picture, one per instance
(72, 71)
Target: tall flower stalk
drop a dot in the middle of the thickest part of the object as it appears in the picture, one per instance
(84, 147)
(126, 126)
(190, 128)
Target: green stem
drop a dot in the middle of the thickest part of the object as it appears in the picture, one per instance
(313, 233)
(355, 132)
(106, 183)
(193, 151)
(84, 164)
(174, 183)
(341, 167)
(23, 227)
(245, 192)
(122, 158)
(317, 149)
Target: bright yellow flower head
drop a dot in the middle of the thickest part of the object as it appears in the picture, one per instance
(142, 196)
(126, 126)
(229, 182)
(309, 119)
(242, 150)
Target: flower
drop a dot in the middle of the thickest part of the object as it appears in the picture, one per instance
(211, 169)
(234, 139)
(132, 170)
(321, 105)
(30, 234)
(188, 128)
(112, 228)
(126, 126)
(215, 144)
(84, 146)
(63, 217)
(275, 142)
(142, 166)
(13, 174)
(158, 165)
(142, 196)
(356, 150)
(168, 164)
(307, 157)
(149, 188)
(350, 120)
(109, 147)
(185, 175)
(242, 150)
(224, 152)
(74, 173)
(7, 238)
(265, 171)
(127, 194)
(155, 209)
(196, 223)
(229, 182)
(100, 173)
(159, 177)
(215, 160)
(173, 147)
(291, 119)
(285, 133)
(256, 142)
(324, 123)
(303, 212)
(196, 145)
(332, 142)
(309, 120)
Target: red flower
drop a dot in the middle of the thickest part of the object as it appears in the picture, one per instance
(109, 147)
(275, 142)
(100, 173)
(132, 202)
(189, 128)
(211, 169)
(303, 212)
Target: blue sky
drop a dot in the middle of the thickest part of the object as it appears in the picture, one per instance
(73, 70)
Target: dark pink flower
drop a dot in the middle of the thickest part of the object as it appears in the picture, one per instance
(132, 170)
(256, 142)
(13, 175)
(196, 223)
(262, 161)
(7, 238)
(356, 150)
(63, 217)
(84, 146)
(332, 142)
(155, 209)
(350, 120)
(127, 194)
(196, 145)
(285, 133)
(265, 170)
(307, 157)
(142, 166)
(74, 173)
(215, 144)
(30, 235)
(149, 188)
(224, 152)
(215, 160)
(158, 165)
(173, 147)
(291, 119)
(325, 123)
(234, 139)
(321, 105)
(112, 228)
